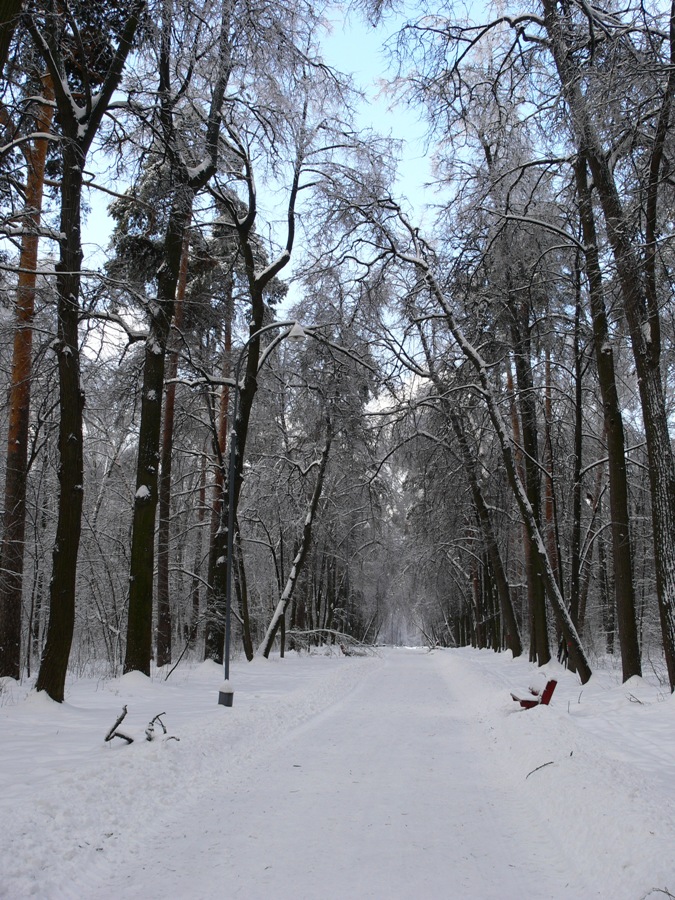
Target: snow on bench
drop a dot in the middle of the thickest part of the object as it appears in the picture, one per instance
(537, 697)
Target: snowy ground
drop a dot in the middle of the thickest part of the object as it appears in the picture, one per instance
(404, 775)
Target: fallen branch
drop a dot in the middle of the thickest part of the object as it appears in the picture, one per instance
(356, 647)
(190, 638)
(634, 699)
(113, 733)
(356, 650)
(542, 766)
(150, 730)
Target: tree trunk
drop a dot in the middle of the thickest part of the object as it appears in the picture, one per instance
(550, 506)
(575, 560)
(164, 529)
(608, 607)
(242, 598)
(214, 636)
(528, 419)
(479, 636)
(518, 462)
(587, 568)
(624, 584)
(511, 633)
(139, 624)
(187, 181)
(197, 565)
(79, 124)
(52, 674)
(12, 550)
(257, 283)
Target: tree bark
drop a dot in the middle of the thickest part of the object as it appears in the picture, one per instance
(528, 419)
(242, 598)
(197, 565)
(575, 560)
(12, 550)
(550, 505)
(52, 674)
(622, 553)
(164, 530)
(139, 622)
(79, 124)
(214, 636)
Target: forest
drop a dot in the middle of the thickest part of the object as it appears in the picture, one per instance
(372, 418)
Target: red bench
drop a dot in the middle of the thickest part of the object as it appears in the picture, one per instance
(536, 697)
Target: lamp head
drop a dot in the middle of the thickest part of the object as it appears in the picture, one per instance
(297, 333)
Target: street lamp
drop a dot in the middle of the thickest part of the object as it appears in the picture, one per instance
(295, 333)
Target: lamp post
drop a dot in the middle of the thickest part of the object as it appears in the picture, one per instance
(295, 333)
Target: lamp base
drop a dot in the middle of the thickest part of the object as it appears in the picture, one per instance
(225, 695)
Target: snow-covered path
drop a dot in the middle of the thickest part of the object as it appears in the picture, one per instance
(383, 795)
(410, 775)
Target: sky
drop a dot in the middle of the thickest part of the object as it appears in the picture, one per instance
(357, 49)
(403, 774)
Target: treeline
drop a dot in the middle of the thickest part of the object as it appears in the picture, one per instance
(472, 441)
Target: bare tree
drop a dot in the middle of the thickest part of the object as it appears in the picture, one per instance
(409, 249)
(588, 59)
(189, 174)
(84, 82)
(639, 300)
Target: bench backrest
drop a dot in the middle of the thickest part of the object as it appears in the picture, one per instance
(547, 693)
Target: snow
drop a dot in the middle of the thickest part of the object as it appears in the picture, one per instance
(143, 492)
(406, 774)
(195, 172)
